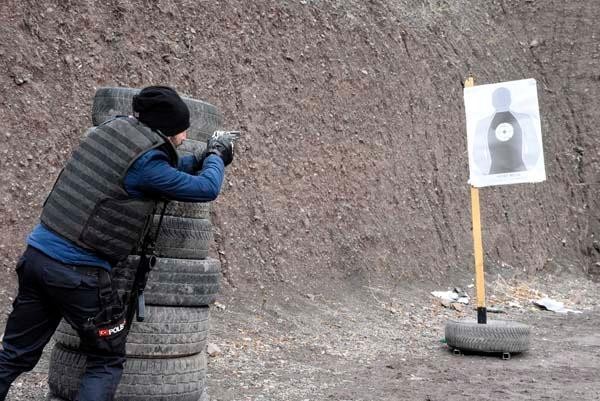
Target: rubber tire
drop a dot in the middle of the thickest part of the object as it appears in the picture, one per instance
(110, 102)
(167, 332)
(495, 336)
(182, 238)
(191, 146)
(174, 379)
(189, 210)
(173, 282)
(203, 397)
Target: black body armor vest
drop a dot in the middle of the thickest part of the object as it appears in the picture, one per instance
(89, 205)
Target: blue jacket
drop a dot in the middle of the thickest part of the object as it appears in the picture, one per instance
(150, 175)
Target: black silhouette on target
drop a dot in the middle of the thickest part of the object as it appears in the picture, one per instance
(506, 142)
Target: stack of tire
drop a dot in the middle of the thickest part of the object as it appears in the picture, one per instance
(166, 354)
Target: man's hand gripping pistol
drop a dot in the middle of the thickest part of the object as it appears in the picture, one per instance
(221, 143)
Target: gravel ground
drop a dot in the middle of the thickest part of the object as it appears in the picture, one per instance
(386, 343)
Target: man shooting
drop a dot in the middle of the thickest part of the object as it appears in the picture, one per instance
(93, 218)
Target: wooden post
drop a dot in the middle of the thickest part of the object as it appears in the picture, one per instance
(477, 244)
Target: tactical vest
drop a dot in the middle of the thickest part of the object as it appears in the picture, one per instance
(89, 204)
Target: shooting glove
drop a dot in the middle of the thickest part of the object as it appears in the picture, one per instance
(221, 144)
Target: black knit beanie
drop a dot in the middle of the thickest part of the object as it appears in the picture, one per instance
(161, 108)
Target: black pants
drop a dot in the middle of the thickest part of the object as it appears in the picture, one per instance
(49, 290)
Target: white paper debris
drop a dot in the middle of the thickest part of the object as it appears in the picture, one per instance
(451, 296)
(552, 305)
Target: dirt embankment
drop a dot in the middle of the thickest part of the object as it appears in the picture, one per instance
(353, 164)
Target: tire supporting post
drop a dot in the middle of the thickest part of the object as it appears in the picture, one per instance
(477, 244)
